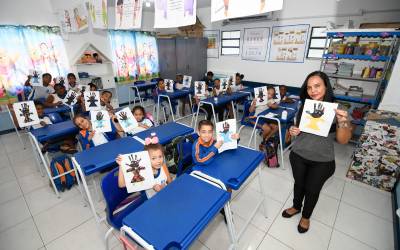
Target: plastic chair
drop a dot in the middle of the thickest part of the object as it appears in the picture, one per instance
(113, 196)
(55, 117)
(184, 148)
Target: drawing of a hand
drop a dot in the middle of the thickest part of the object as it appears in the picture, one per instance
(225, 128)
(71, 98)
(25, 112)
(318, 111)
(123, 116)
(199, 87)
(261, 95)
(99, 116)
(92, 99)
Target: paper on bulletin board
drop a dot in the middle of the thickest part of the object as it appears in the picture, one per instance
(137, 171)
(126, 120)
(98, 13)
(255, 42)
(261, 95)
(26, 114)
(92, 100)
(101, 122)
(128, 14)
(317, 117)
(174, 13)
(169, 85)
(225, 130)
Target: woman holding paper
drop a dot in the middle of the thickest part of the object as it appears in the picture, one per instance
(312, 156)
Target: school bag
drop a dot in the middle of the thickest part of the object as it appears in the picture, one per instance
(178, 153)
(270, 149)
(61, 165)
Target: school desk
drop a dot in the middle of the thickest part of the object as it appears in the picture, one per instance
(233, 167)
(96, 159)
(61, 109)
(175, 217)
(165, 132)
(177, 94)
(138, 86)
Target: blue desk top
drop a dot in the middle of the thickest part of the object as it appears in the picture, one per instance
(58, 109)
(177, 215)
(100, 157)
(144, 85)
(233, 167)
(166, 132)
(178, 93)
(54, 131)
(224, 99)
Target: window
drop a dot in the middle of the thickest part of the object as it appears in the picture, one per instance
(230, 42)
(317, 42)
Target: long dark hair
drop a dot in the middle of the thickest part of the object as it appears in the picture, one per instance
(328, 97)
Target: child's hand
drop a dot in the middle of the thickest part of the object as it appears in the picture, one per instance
(43, 124)
(294, 131)
(157, 188)
(254, 102)
(143, 126)
(218, 144)
(59, 103)
(119, 160)
(91, 135)
(235, 136)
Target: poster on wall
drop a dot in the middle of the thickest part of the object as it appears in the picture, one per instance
(288, 43)
(255, 42)
(80, 17)
(225, 9)
(128, 14)
(67, 24)
(213, 43)
(98, 13)
(174, 13)
(147, 55)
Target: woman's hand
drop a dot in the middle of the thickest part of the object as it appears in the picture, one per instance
(294, 131)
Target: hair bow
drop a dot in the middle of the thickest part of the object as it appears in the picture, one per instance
(153, 139)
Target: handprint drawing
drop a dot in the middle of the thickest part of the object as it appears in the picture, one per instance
(25, 112)
(135, 168)
(260, 95)
(71, 98)
(99, 120)
(92, 100)
(168, 85)
(199, 88)
(125, 121)
(225, 134)
(316, 116)
(224, 84)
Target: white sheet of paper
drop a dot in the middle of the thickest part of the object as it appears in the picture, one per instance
(269, 115)
(36, 79)
(187, 81)
(100, 121)
(200, 88)
(137, 171)
(225, 130)
(169, 85)
(126, 119)
(26, 114)
(317, 117)
(261, 95)
(71, 98)
(224, 84)
(277, 94)
(92, 100)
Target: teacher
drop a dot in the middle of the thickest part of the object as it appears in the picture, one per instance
(313, 157)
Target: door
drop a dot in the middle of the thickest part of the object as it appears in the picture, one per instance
(167, 57)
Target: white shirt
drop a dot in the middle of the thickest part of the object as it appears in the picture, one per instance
(160, 179)
(99, 139)
(40, 92)
(56, 98)
(146, 122)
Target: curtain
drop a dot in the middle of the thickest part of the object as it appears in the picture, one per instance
(135, 55)
(27, 48)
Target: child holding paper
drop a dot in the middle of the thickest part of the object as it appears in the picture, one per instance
(160, 170)
(160, 89)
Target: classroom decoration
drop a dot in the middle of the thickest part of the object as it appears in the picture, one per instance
(187, 81)
(226, 9)
(255, 42)
(213, 43)
(71, 98)
(128, 14)
(288, 43)
(126, 119)
(200, 88)
(277, 97)
(317, 117)
(89, 54)
(26, 114)
(169, 85)
(225, 130)
(100, 121)
(137, 171)
(224, 84)
(65, 19)
(261, 95)
(92, 100)
(174, 13)
(98, 13)
(80, 17)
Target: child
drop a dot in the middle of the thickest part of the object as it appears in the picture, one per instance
(143, 122)
(72, 83)
(209, 79)
(160, 89)
(184, 100)
(284, 95)
(56, 99)
(44, 120)
(218, 109)
(206, 108)
(237, 85)
(39, 92)
(105, 101)
(205, 147)
(160, 170)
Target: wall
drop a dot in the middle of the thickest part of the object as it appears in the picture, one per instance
(390, 99)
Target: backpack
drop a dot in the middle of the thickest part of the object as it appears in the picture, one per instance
(270, 149)
(174, 152)
(61, 165)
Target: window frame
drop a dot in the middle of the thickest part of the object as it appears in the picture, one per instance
(311, 39)
(232, 39)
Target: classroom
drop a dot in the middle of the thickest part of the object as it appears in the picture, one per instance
(199, 124)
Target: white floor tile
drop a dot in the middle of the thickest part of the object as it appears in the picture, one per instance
(6, 175)
(12, 213)
(21, 155)
(341, 171)
(22, 236)
(4, 162)
(368, 200)
(333, 187)
(270, 243)
(9, 191)
(32, 182)
(197, 245)
(365, 227)
(25, 167)
(340, 241)
(285, 230)
(61, 218)
(284, 173)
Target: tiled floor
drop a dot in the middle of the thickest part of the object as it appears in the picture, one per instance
(348, 215)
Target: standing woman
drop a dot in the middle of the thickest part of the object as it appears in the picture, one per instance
(313, 157)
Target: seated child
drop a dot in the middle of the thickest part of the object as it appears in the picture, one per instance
(160, 170)
(184, 100)
(218, 109)
(44, 91)
(56, 99)
(284, 95)
(234, 87)
(160, 89)
(143, 122)
(44, 120)
(105, 101)
(72, 84)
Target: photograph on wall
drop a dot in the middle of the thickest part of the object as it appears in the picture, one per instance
(92, 100)
(137, 171)
(225, 9)
(261, 95)
(213, 43)
(187, 81)
(288, 43)
(255, 43)
(26, 114)
(317, 117)
(200, 88)
(128, 14)
(169, 85)
(174, 13)
(80, 17)
(71, 98)
(101, 122)
(126, 120)
(225, 130)
(98, 13)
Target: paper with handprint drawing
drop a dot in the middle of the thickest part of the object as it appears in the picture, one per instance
(261, 95)
(92, 100)
(200, 88)
(169, 85)
(317, 117)
(100, 121)
(71, 98)
(137, 171)
(225, 130)
(126, 120)
(26, 114)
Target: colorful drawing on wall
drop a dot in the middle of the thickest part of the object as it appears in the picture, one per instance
(101, 122)
(80, 17)
(147, 55)
(225, 130)
(26, 114)
(255, 42)
(261, 95)
(137, 171)
(98, 13)
(174, 13)
(288, 43)
(92, 100)
(65, 19)
(200, 88)
(187, 81)
(128, 14)
(317, 117)
(213, 43)
(126, 119)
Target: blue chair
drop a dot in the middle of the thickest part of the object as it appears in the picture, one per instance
(114, 196)
(184, 148)
(55, 117)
